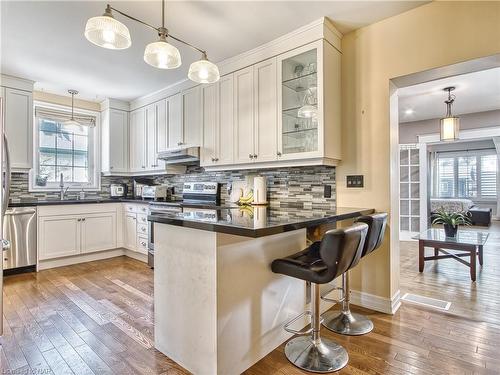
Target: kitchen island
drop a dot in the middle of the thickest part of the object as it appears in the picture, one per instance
(218, 306)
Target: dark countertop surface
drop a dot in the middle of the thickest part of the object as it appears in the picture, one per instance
(256, 221)
(52, 202)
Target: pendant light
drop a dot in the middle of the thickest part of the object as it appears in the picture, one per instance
(450, 125)
(162, 54)
(203, 71)
(105, 31)
(72, 121)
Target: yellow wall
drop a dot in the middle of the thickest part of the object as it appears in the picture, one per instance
(65, 100)
(430, 36)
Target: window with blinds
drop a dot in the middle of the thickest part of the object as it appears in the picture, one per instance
(471, 174)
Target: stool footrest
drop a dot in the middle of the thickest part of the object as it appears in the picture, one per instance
(304, 331)
(327, 299)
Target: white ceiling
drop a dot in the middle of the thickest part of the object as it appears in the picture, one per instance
(43, 40)
(475, 92)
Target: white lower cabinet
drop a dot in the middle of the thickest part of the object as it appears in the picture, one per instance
(98, 232)
(76, 230)
(130, 231)
(136, 227)
(58, 236)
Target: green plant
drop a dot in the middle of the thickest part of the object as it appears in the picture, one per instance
(452, 218)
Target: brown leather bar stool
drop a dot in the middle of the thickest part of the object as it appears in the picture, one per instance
(346, 322)
(320, 263)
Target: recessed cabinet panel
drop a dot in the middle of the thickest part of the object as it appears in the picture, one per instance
(151, 136)
(118, 141)
(130, 231)
(174, 111)
(59, 236)
(243, 116)
(138, 140)
(98, 232)
(18, 108)
(210, 125)
(225, 139)
(192, 116)
(266, 119)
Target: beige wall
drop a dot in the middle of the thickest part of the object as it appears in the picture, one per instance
(65, 100)
(433, 35)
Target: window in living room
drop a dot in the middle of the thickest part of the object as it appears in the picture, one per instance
(470, 174)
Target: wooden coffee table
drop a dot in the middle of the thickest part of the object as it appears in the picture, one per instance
(467, 243)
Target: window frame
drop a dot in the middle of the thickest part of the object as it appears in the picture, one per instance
(94, 142)
(455, 155)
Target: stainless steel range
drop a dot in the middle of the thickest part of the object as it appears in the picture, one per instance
(198, 198)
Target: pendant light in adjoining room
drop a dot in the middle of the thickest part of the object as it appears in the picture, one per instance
(107, 32)
(450, 125)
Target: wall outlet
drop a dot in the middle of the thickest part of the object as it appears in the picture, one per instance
(355, 181)
(328, 191)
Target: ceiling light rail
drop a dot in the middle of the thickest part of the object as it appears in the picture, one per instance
(107, 32)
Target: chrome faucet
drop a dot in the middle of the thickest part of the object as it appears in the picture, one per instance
(62, 190)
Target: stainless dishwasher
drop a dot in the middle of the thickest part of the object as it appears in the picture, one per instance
(19, 228)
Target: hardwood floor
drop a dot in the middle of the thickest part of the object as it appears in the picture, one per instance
(97, 318)
(450, 281)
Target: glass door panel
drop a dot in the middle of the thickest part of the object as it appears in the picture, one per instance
(299, 84)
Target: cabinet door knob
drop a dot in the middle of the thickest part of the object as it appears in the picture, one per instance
(255, 156)
(83, 219)
(213, 159)
(179, 143)
(250, 156)
(143, 167)
(216, 159)
(111, 167)
(278, 153)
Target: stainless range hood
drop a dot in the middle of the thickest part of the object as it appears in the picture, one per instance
(187, 155)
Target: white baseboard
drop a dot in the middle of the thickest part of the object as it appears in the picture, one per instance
(136, 255)
(377, 303)
(67, 261)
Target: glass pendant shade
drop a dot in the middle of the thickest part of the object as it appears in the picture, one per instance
(107, 32)
(450, 127)
(203, 71)
(162, 55)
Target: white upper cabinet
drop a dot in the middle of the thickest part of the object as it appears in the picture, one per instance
(309, 104)
(225, 134)
(243, 116)
(192, 116)
(151, 127)
(174, 123)
(137, 141)
(156, 134)
(18, 122)
(217, 148)
(210, 124)
(265, 111)
(115, 134)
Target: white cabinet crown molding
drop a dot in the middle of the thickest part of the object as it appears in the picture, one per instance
(322, 28)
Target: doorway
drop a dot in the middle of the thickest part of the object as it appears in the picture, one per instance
(462, 175)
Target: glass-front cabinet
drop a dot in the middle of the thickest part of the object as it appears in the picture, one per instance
(309, 103)
(299, 73)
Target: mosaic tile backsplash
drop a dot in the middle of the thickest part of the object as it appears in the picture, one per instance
(287, 187)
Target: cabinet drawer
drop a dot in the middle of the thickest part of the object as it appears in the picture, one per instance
(142, 219)
(142, 229)
(142, 244)
(136, 208)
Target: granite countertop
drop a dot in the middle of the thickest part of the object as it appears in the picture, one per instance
(53, 202)
(256, 221)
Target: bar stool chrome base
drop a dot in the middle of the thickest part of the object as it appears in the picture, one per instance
(347, 323)
(321, 356)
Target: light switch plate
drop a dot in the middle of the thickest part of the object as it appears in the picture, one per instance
(355, 181)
